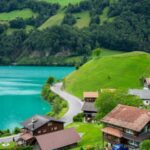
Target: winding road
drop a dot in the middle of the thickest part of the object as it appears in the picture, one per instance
(75, 104)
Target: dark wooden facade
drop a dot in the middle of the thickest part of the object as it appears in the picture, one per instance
(130, 139)
(90, 99)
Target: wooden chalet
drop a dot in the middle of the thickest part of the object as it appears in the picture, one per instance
(38, 125)
(90, 96)
(88, 108)
(147, 83)
(144, 95)
(127, 125)
(63, 139)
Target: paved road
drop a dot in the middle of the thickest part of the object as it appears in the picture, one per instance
(75, 104)
(9, 138)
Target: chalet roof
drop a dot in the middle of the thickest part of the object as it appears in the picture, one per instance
(37, 121)
(147, 80)
(128, 117)
(26, 136)
(58, 139)
(112, 131)
(88, 106)
(90, 94)
(143, 94)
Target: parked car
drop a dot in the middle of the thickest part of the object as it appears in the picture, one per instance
(119, 147)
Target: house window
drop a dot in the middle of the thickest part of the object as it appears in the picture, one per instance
(134, 143)
(55, 128)
(129, 131)
(39, 132)
(49, 124)
(44, 131)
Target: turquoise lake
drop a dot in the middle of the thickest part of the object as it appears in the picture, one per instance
(20, 92)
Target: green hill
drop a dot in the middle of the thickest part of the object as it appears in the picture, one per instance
(118, 71)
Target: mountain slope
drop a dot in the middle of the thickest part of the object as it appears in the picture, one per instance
(118, 71)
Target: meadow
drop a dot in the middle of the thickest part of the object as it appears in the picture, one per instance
(25, 13)
(117, 71)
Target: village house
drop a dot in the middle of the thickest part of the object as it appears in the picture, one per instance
(63, 139)
(147, 83)
(142, 94)
(38, 125)
(126, 125)
(88, 108)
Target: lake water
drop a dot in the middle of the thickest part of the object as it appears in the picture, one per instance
(20, 92)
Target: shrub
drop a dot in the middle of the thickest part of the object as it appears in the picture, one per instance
(145, 145)
(51, 80)
(78, 117)
(17, 130)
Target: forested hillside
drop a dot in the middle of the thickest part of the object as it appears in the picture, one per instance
(51, 33)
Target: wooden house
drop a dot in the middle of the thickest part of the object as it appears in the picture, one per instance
(88, 108)
(38, 125)
(144, 95)
(90, 96)
(126, 125)
(64, 139)
(147, 83)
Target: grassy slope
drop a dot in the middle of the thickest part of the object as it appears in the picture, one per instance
(94, 137)
(52, 21)
(83, 19)
(104, 16)
(118, 71)
(25, 13)
(63, 2)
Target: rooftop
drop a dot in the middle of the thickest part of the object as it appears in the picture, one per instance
(112, 131)
(143, 94)
(90, 94)
(128, 117)
(88, 106)
(37, 121)
(58, 139)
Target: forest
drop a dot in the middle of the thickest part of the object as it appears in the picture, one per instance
(129, 29)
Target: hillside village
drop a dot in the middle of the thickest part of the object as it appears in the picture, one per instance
(104, 103)
(123, 128)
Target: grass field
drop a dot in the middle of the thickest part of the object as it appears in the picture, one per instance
(11, 146)
(52, 21)
(92, 135)
(117, 71)
(83, 19)
(63, 2)
(25, 13)
(104, 16)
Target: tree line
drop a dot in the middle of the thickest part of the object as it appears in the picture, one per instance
(129, 31)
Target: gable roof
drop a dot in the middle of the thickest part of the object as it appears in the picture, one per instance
(128, 117)
(90, 94)
(147, 80)
(37, 121)
(143, 94)
(88, 106)
(58, 139)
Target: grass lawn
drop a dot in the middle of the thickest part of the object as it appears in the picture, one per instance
(104, 16)
(92, 134)
(83, 19)
(25, 13)
(52, 21)
(63, 2)
(11, 145)
(117, 71)
(107, 52)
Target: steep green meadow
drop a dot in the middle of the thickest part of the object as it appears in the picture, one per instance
(117, 71)
(25, 13)
(63, 2)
